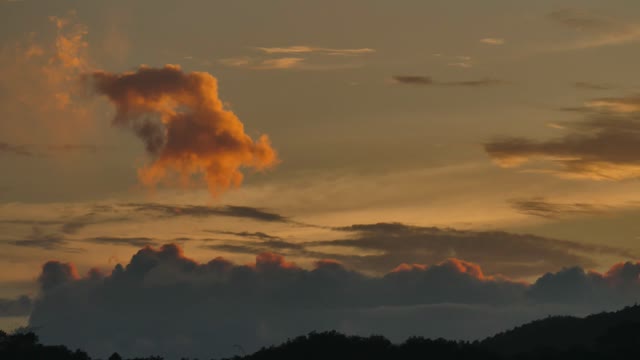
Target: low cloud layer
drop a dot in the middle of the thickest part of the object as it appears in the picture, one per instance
(184, 126)
(174, 305)
(603, 146)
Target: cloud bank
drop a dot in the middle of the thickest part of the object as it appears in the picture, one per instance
(602, 146)
(163, 302)
(184, 126)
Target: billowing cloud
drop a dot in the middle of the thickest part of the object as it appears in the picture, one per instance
(492, 41)
(603, 146)
(426, 80)
(211, 306)
(184, 126)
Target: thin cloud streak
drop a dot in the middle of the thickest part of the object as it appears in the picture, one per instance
(311, 49)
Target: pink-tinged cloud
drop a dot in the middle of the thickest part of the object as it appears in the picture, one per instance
(216, 303)
(184, 126)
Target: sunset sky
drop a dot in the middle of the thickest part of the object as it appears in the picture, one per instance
(504, 135)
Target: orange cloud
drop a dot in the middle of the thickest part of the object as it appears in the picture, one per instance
(184, 126)
(42, 81)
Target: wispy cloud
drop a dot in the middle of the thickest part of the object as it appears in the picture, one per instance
(553, 210)
(21, 150)
(428, 81)
(297, 57)
(281, 63)
(492, 41)
(599, 30)
(303, 49)
(602, 146)
(586, 85)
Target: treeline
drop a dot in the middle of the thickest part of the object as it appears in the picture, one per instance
(602, 336)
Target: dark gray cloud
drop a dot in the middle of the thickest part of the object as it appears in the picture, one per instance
(123, 241)
(42, 240)
(378, 248)
(248, 234)
(604, 145)
(427, 80)
(179, 306)
(553, 210)
(204, 211)
(387, 244)
(20, 306)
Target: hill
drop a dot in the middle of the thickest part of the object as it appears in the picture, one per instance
(614, 335)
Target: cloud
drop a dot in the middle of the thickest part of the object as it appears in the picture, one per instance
(585, 85)
(213, 305)
(284, 63)
(378, 248)
(428, 81)
(203, 211)
(247, 234)
(581, 19)
(39, 82)
(603, 146)
(15, 149)
(542, 208)
(381, 246)
(45, 150)
(20, 306)
(311, 49)
(265, 64)
(492, 41)
(413, 80)
(281, 63)
(295, 59)
(184, 126)
(41, 240)
(122, 241)
(601, 30)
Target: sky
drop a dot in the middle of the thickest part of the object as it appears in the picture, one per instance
(485, 151)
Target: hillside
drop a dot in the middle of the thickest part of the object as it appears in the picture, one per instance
(614, 335)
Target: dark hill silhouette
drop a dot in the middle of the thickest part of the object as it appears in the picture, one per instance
(614, 335)
(567, 332)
